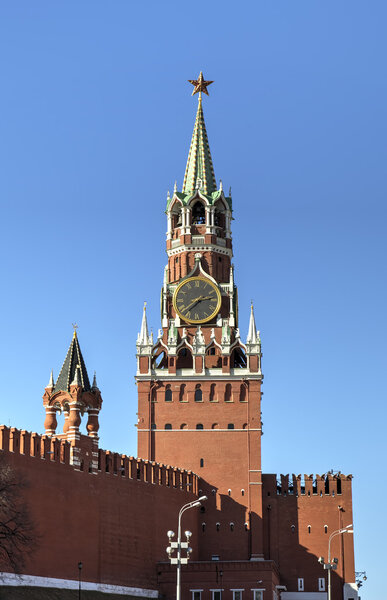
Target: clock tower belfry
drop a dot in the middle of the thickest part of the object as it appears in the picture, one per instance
(199, 384)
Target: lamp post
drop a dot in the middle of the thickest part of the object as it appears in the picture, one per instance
(80, 565)
(179, 545)
(331, 565)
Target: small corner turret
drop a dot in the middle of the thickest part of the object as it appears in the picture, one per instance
(73, 396)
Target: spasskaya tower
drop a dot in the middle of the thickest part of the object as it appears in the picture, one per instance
(199, 384)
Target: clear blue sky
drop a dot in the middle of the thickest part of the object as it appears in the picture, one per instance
(96, 119)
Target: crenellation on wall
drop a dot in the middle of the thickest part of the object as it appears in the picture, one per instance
(57, 450)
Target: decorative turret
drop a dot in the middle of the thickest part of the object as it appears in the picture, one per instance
(72, 395)
(144, 340)
(73, 362)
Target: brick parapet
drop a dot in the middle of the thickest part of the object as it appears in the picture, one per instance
(57, 450)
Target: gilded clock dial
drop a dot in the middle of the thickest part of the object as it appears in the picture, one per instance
(197, 300)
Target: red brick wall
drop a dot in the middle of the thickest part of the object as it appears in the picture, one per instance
(114, 524)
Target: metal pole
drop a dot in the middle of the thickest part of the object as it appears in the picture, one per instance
(329, 568)
(178, 589)
(80, 565)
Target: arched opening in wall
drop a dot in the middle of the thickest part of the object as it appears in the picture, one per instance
(244, 426)
(220, 219)
(228, 393)
(182, 393)
(202, 462)
(213, 359)
(176, 219)
(231, 526)
(213, 393)
(159, 360)
(242, 393)
(338, 485)
(198, 214)
(215, 426)
(203, 527)
(218, 527)
(238, 359)
(183, 426)
(184, 359)
(199, 426)
(325, 528)
(309, 528)
(198, 393)
(168, 393)
(168, 426)
(153, 426)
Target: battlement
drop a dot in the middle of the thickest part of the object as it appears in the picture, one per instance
(57, 450)
(328, 484)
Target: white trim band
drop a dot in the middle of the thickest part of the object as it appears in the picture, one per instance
(72, 584)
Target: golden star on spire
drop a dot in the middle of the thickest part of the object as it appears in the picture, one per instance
(200, 84)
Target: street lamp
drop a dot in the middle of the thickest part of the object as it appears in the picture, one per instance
(179, 545)
(80, 565)
(331, 565)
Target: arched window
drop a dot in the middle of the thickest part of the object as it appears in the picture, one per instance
(182, 392)
(212, 392)
(199, 426)
(202, 462)
(168, 394)
(238, 359)
(309, 528)
(198, 214)
(203, 527)
(242, 394)
(215, 426)
(184, 359)
(183, 426)
(153, 426)
(198, 393)
(227, 395)
(160, 360)
(231, 526)
(218, 527)
(168, 426)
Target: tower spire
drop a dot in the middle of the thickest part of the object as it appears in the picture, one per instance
(199, 172)
(144, 338)
(253, 334)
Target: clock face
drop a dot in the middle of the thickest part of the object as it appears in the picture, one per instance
(197, 300)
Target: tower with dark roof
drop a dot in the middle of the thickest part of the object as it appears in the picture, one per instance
(73, 396)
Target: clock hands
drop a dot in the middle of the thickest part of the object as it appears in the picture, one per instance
(196, 300)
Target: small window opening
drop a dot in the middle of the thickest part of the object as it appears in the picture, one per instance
(199, 426)
(202, 462)
(229, 492)
(176, 259)
(168, 394)
(339, 485)
(211, 351)
(218, 527)
(325, 528)
(309, 529)
(230, 426)
(231, 526)
(198, 393)
(243, 492)
(203, 527)
(153, 426)
(168, 426)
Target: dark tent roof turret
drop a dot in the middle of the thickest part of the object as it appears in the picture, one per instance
(73, 361)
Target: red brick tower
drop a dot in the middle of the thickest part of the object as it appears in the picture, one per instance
(73, 395)
(199, 385)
